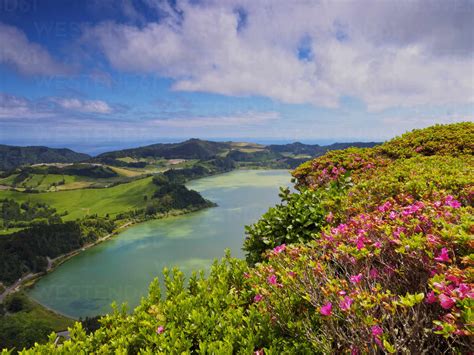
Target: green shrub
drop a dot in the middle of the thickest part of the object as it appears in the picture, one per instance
(15, 303)
(213, 314)
(453, 139)
(295, 220)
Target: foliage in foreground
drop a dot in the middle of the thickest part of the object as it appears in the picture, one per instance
(396, 279)
(23, 322)
(214, 314)
(374, 253)
(27, 251)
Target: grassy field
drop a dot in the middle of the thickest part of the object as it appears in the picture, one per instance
(79, 203)
(45, 182)
(8, 180)
(127, 172)
(34, 310)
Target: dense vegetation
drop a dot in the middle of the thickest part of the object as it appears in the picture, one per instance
(173, 196)
(12, 157)
(372, 254)
(23, 322)
(27, 250)
(79, 169)
(14, 214)
(199, 170)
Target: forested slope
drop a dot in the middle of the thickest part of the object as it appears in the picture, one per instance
(12, 156)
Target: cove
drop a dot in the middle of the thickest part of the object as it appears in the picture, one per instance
(121, 268)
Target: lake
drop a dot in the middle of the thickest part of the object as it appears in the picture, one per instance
(121, 268)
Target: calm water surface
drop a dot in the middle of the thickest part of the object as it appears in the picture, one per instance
(122, 268)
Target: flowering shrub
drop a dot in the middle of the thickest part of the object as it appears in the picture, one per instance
(335, 165)
(303, 214)
(297, 219)
(396, 279)
(453, 139)
(421, 177)
(446, 140)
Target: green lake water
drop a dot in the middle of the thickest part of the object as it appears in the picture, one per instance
(121, 268)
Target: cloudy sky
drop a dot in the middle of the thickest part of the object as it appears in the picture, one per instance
(157, 70)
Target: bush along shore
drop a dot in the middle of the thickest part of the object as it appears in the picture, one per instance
(372, 254)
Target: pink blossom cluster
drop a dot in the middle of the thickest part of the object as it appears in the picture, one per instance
(404, 247)
(334, 165)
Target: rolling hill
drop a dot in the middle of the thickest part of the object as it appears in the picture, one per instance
(282, 156)
(12, 156)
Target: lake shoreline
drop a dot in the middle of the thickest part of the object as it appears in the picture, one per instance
(124, 227)
(29, 280)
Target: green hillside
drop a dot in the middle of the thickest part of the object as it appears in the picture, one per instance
(243, 154)
(190, 149)
(12, 157)
(83, 202)
(372, 254)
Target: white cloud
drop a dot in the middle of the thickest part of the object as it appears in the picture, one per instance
(239, 120)
(14, 107)
(388, 53)
(84, 106)
(26, 57)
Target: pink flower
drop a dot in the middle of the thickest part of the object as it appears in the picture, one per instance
(385, 207)
(356, 279)
(446, 302)
(451, 202)
(443, 255)
(259, 352)
(346, 303)
(360, 243)
(463, 290)
(376, 331)
(432, 239)
(373, 273)
(272, 280)
(392, 215)
(456, 280)
(454, 204)
(160, 329)
(257, 298)
(279, 249)
(326, 310)
(431, 297)
(377, 245)
(329, 217)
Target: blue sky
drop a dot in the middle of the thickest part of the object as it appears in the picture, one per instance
(120, 72)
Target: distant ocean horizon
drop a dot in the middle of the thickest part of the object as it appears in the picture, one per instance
(93, 147)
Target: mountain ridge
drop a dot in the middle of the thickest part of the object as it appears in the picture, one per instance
(12, 157)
